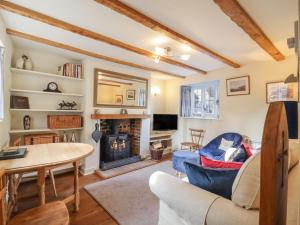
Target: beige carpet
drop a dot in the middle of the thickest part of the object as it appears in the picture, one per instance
(127, 198)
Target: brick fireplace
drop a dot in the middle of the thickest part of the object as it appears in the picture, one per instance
(120, 142)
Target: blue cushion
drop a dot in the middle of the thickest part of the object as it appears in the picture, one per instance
(217, 181)
(179, 157)
(212, 151)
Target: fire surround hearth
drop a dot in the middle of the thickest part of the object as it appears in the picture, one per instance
(120, 142)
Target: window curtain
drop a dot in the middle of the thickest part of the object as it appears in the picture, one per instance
(142, 97)
(186, 104)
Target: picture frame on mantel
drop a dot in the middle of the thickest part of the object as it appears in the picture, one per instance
(280, 91)
(238, 86)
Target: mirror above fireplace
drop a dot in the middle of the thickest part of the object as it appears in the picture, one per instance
(112, 89)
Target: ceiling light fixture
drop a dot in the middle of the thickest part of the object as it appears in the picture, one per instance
(167, 51)
(185, 57)
(156, 58)
(186, 47)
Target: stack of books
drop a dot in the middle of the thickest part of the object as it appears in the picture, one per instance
(73, 70)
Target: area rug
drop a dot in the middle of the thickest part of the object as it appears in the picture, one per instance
(127, 198)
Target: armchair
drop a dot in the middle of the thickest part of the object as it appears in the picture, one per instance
(211, 151)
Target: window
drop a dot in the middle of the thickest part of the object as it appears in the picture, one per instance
(200, 100)
(1, 83)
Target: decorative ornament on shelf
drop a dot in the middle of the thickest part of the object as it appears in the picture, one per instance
(24, 63)
(65, 138)
(52, 87)
(28, 64)
(26, 122)
(73, 138)
(60, 70)
(123, 111)
(67, 105)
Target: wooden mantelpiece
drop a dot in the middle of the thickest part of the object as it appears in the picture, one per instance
(119, 116)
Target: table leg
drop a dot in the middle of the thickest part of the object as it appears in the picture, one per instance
(41, 185)
(76, 185)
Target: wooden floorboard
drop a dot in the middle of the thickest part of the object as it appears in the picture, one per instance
(90, 212)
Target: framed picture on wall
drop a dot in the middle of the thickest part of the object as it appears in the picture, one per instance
(130, 94)
(119, 99)
(238, 86)
(280, 91)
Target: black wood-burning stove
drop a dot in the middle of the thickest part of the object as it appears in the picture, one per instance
(115, 149)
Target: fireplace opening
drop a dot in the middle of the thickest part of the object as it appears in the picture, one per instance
(120, 143)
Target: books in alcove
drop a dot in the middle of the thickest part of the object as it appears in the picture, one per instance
(73, 70)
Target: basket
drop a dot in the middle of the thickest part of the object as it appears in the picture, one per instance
(156, 154)
(64, 121)
(41, 139)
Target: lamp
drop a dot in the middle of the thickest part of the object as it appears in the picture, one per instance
(155, 90)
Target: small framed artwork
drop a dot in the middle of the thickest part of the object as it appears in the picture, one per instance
(130, 94)
(19, 102)
(119, 99)
(238, 86)
(280, 91)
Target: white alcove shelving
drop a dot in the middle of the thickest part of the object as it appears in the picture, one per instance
(31, 83)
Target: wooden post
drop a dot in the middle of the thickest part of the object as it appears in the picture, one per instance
(274, 167)
(76, 185)
(41, 185)
(3, 198)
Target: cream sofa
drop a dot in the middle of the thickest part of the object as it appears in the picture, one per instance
(184, 204)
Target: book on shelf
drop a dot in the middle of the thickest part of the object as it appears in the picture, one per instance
(73, 70)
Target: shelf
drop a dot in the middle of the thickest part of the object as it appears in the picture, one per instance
(45, 93)
(163, 139)
(38, 73)
(46, 110)
(118, 116)
(21, 131)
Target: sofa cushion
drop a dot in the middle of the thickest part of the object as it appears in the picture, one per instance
(246, 186)
(294, 148)
(225, 144)
(205, 162)
(217, 181)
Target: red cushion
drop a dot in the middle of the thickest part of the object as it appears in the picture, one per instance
(205, 162)
(248, 149)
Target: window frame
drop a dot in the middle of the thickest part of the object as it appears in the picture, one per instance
(203, 86)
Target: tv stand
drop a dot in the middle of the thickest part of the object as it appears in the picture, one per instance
(163, 137)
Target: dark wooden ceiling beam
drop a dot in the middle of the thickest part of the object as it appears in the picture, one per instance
(137, 16)
(238, 15)
(20, 10)
(84, 52)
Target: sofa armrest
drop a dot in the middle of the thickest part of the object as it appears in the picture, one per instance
(189, 202)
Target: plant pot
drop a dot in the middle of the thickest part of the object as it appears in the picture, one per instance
(156, 154)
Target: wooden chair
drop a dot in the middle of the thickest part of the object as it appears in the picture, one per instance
(54, 213)
(197, 136)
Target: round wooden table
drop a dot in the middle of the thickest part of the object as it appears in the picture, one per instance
(39, 158)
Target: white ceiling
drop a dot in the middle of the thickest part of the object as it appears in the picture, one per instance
(200, 20)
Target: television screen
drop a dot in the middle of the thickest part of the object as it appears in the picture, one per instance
(165, 121)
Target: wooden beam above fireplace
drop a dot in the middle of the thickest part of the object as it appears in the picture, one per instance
(119, 116)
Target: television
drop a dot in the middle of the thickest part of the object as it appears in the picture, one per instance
(163, 122)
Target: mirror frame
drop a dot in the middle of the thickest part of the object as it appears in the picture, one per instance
(117, 75)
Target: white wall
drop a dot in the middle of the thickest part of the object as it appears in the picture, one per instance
(244, 114)
(5, 124)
